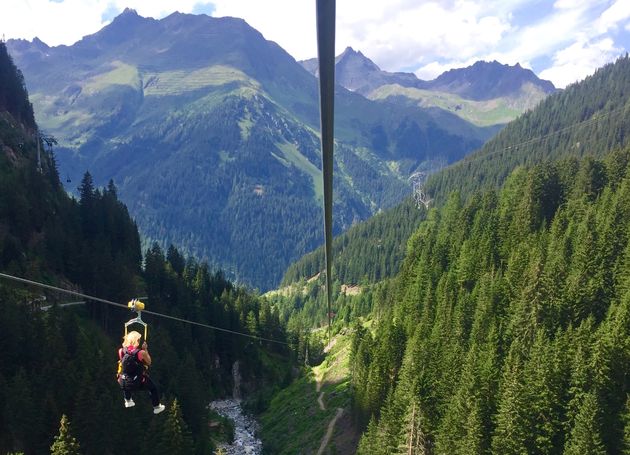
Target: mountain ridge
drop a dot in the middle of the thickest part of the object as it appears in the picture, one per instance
(356, 72)
(485, 93)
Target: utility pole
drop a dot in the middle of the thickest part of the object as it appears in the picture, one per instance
(420, 197)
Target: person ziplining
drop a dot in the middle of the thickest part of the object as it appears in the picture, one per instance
(134, 362)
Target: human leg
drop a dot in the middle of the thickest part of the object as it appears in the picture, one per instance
(151, 387)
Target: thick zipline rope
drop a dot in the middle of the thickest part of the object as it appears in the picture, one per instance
(109, 302)
(326, 55)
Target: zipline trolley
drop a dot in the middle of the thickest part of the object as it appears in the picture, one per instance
(137, 306)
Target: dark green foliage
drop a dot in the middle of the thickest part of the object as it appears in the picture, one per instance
(370, 251)
(174, 436)
(515, 322)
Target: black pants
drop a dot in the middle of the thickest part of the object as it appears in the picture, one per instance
(148, 385)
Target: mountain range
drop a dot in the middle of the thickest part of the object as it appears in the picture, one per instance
(485, 93)
(210, 133)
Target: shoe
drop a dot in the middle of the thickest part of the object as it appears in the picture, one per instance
(129, 403)
(159, 408)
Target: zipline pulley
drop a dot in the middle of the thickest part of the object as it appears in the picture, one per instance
(137, 306)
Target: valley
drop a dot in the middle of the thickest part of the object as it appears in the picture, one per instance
(490, 318)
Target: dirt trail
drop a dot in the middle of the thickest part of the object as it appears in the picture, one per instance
(329, 432)
(318, 387)
(321, 402)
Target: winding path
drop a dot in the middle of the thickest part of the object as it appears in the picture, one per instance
(329, 431)
(331, 424)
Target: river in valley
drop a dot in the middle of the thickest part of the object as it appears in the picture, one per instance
(245, 427)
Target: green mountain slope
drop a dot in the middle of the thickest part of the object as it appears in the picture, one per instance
(588, 118)
(495, 111)
(210, 133)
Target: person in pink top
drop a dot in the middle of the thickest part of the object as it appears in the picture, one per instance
(132, 372)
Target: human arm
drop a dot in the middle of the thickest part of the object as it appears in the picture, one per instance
(145, 356)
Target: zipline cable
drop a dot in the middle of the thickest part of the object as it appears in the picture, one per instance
(326, 56)
(109, 302)
(474, 157)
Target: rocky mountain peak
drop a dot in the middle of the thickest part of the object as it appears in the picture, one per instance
(486, 80)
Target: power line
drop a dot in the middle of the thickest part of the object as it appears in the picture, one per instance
(109, 302)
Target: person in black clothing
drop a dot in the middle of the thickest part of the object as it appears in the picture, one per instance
(132, 372)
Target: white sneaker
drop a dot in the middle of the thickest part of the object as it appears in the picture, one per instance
(159, 408)
(129, 403)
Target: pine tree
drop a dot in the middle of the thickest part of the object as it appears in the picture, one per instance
(512, 431)
(65, 443)
(176, 438)
(626, 429)
(585, 435)
(413, 439)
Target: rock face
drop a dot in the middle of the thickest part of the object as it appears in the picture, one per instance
(488, 80)
(236, 376)
(245, 428)
(357, 73)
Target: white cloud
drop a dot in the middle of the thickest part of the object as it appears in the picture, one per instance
(434, 69)
(574, 4)
(54, 23)
(459, 31)
(618, 12)
(579, 60)
(427, 35)
(68, 21)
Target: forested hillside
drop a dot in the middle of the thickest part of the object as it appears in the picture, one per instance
(368, 252)
(62, 360)
(588, 118)
(508, 329)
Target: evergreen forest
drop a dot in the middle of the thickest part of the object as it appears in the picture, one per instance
(508, 328)
(589, 118)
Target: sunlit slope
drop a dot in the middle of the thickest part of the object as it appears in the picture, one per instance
(479, 112)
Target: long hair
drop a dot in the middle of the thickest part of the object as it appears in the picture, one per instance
(131, 339)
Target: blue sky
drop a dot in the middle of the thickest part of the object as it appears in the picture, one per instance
(561, 40)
